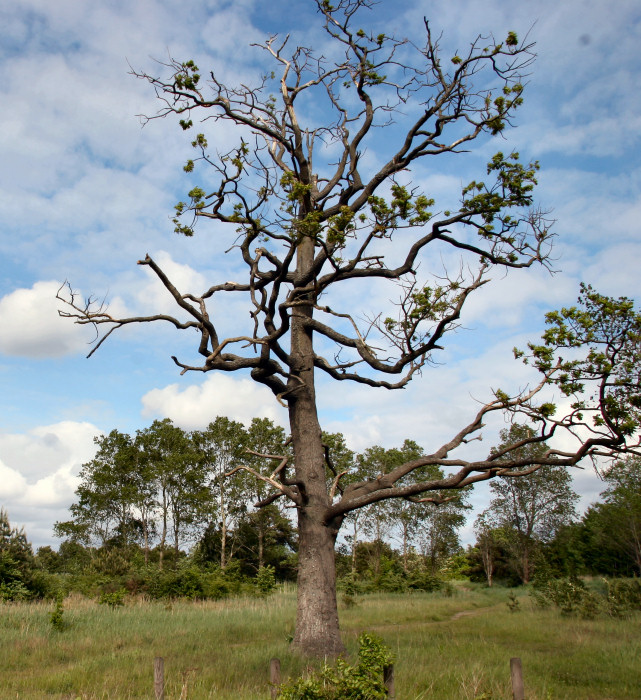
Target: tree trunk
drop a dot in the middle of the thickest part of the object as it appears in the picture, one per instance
(317, 630)
(261, 561)
(145, 529)
(354, 543)
(176, 536)
(163, 536)
(223, 528)
(405, 538)
(526, 563)
(487, 557)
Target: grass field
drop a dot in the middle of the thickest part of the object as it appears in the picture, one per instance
(455, 647)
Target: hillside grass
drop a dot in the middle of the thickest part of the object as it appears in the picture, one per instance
(455, 647)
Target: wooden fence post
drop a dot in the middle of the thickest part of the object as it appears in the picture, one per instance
(388, 680)
(159, 678)
(516, 670)
(274, 676)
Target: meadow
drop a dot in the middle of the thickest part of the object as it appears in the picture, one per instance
(456, 647)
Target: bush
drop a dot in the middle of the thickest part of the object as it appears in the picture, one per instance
(422, 580)
(189, 581)
(56, 617)
(14, 591)
(618, 597)
(364, 681)
(266, 579)
(114, 599)
(623, 596)
(567, 594)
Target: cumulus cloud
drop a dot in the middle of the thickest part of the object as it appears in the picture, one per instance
(195, 406)
(31, 326)
(39, 473)
(153, 297)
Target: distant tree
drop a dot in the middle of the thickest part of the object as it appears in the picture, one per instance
(145, 499)
(16, 560)
(400, 515)
(268, 442)
(565, 555)
(104, 512)
(533, 507)
(608, 537)
(313, 221)
(438, 530)
(487, 545)
(174, 480)
(187, 489)
(223, 446)
(265, 537)
(622, 513)
(411, 521)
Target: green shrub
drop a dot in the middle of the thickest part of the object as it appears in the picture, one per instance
(423, 580)
(623, 596)
(56, 617)
(113, 599)
(513, 602)
(364, 681)
(266, 580)
(617, 597)
(13, 590)
(189, 581)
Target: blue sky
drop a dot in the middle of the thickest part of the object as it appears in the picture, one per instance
(85, 192)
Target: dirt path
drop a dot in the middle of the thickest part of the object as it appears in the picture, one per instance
(468, 613)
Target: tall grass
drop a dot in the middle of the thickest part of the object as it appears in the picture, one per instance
(222, 649)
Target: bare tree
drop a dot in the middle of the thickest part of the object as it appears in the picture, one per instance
(311, 222)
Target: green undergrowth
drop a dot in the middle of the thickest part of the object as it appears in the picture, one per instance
(446, 646)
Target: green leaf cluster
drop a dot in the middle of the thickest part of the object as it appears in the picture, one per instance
(404, 207)
(602, 339)
(187, 78)
(513, 188)
(362, 681)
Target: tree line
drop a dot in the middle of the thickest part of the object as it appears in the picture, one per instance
(164, 489)
(184, 505)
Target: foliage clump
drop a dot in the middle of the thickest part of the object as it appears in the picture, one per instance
(56, 616)
(114, 599)
(342, 681)
(18, 579)
(616, 598)
(266, 580)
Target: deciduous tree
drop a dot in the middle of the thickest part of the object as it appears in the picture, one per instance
(312, 220)
(223, 446)
(531, 508)
(619, 516)
(106, 495)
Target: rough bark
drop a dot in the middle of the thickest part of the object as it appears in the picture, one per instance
(317, 629)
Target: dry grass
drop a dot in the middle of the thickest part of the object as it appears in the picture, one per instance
(222, 649)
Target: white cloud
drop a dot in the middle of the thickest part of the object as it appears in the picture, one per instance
(31, 326)
(13, 483)
(39, 473)
(153, 297)
(195, 406)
